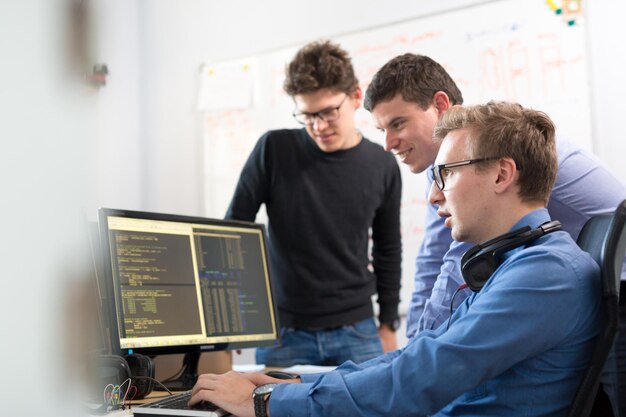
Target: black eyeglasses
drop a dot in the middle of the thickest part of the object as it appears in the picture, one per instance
(440, 172)
(327, 115)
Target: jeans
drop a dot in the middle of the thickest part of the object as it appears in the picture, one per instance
(357, 342)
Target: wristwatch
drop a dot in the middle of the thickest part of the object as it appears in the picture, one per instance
(393, 325)
(260, 395)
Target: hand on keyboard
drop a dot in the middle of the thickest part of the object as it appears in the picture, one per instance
(231, 391)
(204, 406)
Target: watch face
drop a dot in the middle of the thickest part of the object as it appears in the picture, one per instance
(264, 389)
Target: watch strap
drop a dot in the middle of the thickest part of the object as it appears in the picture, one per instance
(260, 405)
(260, 396)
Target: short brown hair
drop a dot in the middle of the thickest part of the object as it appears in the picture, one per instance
(320, 65)
(501, 129)
(416, 77)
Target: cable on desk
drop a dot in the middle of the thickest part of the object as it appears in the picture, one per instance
(156, 381)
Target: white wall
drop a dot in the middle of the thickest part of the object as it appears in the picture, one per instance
(161, 45)
(607, 60)
(120, 154)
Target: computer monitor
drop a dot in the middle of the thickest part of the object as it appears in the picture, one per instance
(182, 284)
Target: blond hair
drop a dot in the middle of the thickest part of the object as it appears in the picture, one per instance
(501, 129)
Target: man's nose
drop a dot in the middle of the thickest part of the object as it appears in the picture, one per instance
(319, 124)
(435, 195)
(390, 141)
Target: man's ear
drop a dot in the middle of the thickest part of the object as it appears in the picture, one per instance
(357, 96)
(441, 101)
(507, 174)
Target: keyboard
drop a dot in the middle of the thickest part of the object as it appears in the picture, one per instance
(176, 405)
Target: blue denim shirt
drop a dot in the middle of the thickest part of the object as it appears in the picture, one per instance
(584, 188)
(518, 347)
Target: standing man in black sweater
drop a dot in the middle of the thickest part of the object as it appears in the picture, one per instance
(325, 188)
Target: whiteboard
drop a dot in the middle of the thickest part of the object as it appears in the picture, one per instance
(516, 50)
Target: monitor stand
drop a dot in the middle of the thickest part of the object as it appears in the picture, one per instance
(189, 375)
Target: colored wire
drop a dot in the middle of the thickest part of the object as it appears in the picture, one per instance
(115, 396)
(104, 393)
(134, 390)
(130, 385)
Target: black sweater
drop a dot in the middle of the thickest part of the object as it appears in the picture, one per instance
(321, 207)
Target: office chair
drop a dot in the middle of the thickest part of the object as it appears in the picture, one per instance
(604, 238)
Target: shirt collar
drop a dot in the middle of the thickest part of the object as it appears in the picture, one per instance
(533, 219)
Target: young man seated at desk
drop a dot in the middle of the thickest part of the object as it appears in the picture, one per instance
(517, 347)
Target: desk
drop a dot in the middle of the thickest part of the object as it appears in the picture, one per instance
(169, 365)
(155, 395)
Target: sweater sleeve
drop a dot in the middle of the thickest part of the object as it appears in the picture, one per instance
(253, 185)
(387, 247)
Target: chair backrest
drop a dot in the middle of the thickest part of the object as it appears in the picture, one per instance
(604, 238)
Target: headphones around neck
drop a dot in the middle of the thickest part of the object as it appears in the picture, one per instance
(480, 261)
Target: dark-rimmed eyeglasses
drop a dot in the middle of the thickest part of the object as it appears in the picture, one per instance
(440, 172)
(326, 115)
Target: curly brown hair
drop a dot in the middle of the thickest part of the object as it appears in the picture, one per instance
(318, 65)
